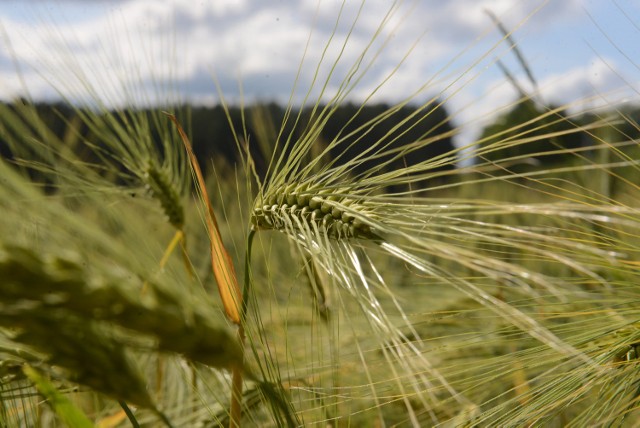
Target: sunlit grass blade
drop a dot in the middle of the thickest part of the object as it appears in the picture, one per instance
(62, 406)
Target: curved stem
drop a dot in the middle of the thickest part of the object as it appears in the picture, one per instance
(129, 413)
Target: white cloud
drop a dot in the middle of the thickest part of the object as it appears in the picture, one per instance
(123, 47)
(599, 84)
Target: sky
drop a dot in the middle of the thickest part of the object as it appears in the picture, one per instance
(141, 52)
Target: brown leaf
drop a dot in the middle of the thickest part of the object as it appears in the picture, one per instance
(221, 262)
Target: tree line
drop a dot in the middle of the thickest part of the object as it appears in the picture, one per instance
(407, 135)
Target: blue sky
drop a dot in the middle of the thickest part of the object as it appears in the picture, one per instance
(146, 51)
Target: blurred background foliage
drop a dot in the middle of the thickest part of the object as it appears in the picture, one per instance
(555, 134)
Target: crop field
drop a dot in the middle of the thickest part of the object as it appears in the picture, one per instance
(329, 263)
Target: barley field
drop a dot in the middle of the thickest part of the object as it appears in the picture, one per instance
(329, 274)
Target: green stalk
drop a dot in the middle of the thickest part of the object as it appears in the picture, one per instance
(236, 383)
(129, 413)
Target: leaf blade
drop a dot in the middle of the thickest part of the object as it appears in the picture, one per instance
(221, 262)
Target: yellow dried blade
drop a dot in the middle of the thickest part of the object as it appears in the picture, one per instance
(221, 262)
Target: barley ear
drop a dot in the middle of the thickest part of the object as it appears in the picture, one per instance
(303, 207)
(221, 262)
(161, 188)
